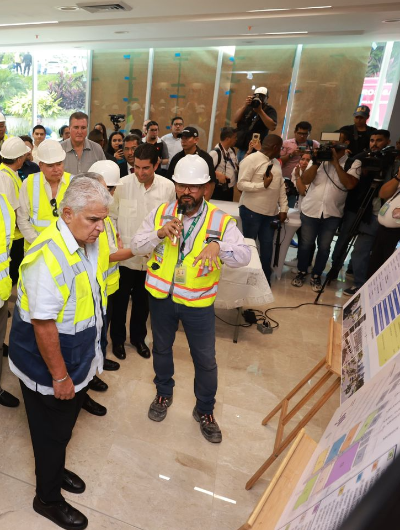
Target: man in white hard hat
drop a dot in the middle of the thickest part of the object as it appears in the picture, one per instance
(41, 193)
(133, 201)
(188, 239)
(256, 116)
(13, 154)
(3, 128)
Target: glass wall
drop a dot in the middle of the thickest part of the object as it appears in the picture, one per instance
(60, 85)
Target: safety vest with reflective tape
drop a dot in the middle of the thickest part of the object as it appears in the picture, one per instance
(7, 228)
(40, 210)
(76, 322)
(17, 185)
(111, 275)
(201, 285)
(6, 137)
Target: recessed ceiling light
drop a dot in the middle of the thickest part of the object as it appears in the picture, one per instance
(120, 32)
(390, 20)
(29, 23)
(68, 8)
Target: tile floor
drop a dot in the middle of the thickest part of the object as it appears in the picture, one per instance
(166, 476)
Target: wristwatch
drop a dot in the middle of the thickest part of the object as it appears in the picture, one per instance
(211, 239)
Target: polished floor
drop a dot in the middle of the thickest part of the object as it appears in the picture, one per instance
(166, 476)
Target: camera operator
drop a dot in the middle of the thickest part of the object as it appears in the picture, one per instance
(225, 164)
(369, 223)
(359, 133)
(263, 187)
(321, 210)
(293, 149)
(255, 116)
(388, 233)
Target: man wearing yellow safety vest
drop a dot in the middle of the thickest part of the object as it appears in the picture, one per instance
(3, 128)
(56, 335)
(188, 240)
(7, 227)
(13, 154)
(41, 193)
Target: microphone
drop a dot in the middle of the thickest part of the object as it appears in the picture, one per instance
(179, 214)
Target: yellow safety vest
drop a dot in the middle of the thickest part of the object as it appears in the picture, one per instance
(7, 228)
(40, 210)
(17, 185)
(6, 137)
(201, 285)
(69, 275)
(111, 276)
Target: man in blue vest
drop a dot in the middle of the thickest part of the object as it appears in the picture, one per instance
(56, 336)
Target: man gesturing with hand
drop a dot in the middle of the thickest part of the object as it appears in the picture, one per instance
(182, 278)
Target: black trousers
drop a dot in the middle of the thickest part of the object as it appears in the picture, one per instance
(51, 422)
(222, 195)
(384, 245)
(17, 255)
(131, 283)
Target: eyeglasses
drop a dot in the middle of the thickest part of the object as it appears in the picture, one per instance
(53, 204)
(192, 188)
(302, 133)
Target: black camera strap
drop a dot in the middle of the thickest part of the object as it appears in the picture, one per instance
(333, 182)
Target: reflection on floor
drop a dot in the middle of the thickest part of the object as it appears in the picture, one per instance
(166, 476)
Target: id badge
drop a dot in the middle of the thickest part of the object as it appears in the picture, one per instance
(180, 274)
(384, 209)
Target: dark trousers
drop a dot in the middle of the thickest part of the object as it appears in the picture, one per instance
(131, 283)
(51, 422)
(383, 247)
(199, 326)
(223, 195)
(16, 255)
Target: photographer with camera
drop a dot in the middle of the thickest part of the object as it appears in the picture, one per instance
(372, 168)
(255, 116)
(359, 133)
(322, 207)
(225, 164)
(263, 187)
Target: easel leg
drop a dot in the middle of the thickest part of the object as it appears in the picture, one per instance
(261, 470)
(236, 330)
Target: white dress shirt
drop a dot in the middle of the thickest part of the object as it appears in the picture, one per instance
(326, 194)
(174, 146)
(228, 164)
(45, 302)
(7, 187)
(132, 203)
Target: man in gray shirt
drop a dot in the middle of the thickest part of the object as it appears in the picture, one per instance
(81, 152)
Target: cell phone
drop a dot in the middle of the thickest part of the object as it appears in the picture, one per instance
(256, 137)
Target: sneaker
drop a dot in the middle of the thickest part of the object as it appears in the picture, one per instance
(315, 283)
(159, 407)
(208, 426)
(350, 291)
(298, 281)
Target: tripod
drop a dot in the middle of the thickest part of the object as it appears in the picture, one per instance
(352, 235)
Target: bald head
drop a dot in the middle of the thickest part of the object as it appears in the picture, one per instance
(272, 145)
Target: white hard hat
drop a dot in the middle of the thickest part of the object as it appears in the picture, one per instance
(13, 148)
(191, 169)
(261, 90)
(50, 152)
(2, 118)
(109, 170)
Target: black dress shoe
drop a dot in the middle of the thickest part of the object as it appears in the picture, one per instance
(72, 483)
(119, 351)
(97, 384)
(5, 349)
(7, 399)
(93, 408)
(142, 349)
(61, 513)
(110, 366)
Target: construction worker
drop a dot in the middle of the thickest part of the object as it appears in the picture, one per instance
(182, 278)
(41, 193)
(13, 154)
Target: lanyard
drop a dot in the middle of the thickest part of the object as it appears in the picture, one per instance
(185, 237)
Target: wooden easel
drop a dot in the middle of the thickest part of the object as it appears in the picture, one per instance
(270, 507)
(330, 365)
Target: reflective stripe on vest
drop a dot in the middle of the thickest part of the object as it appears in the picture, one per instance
(7, 227)
(111, 275)
(201, 284)
(41, 211)
(17, 185)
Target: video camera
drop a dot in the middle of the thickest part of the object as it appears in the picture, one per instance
(324, 151)
(116, 119)
(379, 161)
